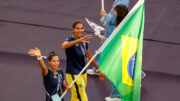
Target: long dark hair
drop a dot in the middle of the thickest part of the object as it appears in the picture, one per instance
(122, 11)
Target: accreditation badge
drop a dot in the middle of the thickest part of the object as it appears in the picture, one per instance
(56, 97)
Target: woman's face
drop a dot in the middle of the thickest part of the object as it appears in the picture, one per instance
(78, 30)
(54, 62)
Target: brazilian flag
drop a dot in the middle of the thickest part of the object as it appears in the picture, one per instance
(121, 58)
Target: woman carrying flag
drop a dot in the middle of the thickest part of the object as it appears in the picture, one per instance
(77, 53)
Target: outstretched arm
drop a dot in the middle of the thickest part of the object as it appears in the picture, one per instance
(101, 76)
(84, 39)
(37, 52)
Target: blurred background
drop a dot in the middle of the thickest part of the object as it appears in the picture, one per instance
(45, 24)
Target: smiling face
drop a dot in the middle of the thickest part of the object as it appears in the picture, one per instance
(54, 62)
(78, 30)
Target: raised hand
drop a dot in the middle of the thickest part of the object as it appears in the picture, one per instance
(103, 13)
(85, 38)
(34, 52)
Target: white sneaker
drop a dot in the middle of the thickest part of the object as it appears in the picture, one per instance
(91, 72)
(112, 99)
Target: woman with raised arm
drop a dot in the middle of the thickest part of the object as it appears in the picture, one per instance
(53, 76)
(77, 51)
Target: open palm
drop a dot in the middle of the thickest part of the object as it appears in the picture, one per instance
(85, 38)
(34, 52)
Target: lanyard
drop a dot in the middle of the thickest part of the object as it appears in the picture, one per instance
(59, 81)
(83, 51)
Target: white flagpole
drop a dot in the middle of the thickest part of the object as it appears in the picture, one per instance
(102, 4)
(107, 41)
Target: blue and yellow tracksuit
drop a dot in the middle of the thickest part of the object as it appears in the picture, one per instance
(76, 56)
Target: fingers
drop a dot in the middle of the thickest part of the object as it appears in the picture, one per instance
(88, 37)
(36, 48)
(103, 13)
(32, 52)
(85, 38)
(101, 77)
(85, 41)
(68, 88)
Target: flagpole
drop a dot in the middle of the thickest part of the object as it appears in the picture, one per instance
(106, 42)
(102, 4)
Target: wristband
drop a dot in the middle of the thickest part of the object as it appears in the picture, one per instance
(40, 58)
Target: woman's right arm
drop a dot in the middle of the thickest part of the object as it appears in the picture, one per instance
(106, 18)
(37, 52)
(68, 44)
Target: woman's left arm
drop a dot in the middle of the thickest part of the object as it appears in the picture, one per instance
(89, 54)
(65, 86)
